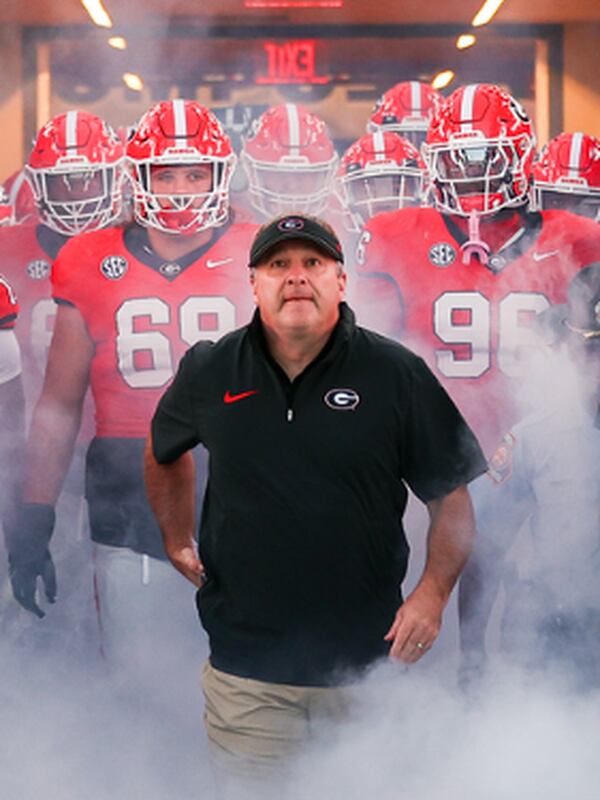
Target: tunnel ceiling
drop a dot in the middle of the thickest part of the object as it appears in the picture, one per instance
(124, 12)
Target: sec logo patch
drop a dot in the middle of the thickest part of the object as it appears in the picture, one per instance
(342, 399)
(442, 254)
(114, 267)
(38, 269)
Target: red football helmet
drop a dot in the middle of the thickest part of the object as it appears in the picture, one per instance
(567, 175)
(290, 161)
(20, 196)
(180, 133)
(406, 108)
(379, 172)
(75, 173)
(479, 152)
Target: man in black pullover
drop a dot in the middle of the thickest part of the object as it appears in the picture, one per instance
(314, 428)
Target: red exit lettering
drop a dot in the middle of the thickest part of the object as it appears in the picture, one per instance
(291, 62)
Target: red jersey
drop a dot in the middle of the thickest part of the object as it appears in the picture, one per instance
(469, 321)
(143, 312)
(6, 214)
(9, 307)
(27, 255)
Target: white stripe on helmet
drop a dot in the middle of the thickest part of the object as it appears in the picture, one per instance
(415, 96)
(71, 133)
(466, 108)
(575, 155)
(379, 145)
(294, 128)
(179, 118)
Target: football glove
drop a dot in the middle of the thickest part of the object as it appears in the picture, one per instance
(28, 534)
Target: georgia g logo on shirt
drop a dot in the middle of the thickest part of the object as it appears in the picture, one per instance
(342, 399)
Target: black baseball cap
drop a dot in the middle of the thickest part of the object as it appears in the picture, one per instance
(583, 302)
(294, 226)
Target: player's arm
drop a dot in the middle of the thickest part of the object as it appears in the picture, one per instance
(171, 491)
(449, 542)
(54, 428)
(57, 416)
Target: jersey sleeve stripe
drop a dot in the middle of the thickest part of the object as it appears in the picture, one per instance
(8, 321)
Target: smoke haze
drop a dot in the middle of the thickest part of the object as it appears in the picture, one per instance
(71, 729)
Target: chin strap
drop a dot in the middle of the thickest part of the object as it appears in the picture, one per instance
(475, 246)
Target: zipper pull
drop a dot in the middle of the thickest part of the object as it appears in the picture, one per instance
(290, 414)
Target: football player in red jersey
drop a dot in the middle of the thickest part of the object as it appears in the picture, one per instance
(380, 172)
(75, 169)
(567, 175)
(131, 300)
(475, 269)
(290, 162)
(406, 109)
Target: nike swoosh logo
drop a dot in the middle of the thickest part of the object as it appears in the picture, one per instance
(233, 398)
(210, 264)
(543, 256)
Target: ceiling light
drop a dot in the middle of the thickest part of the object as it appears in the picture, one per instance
(133, 81)
(465, 40)
(98, 13)
(118, 42)
(486, 12)
(442, 79)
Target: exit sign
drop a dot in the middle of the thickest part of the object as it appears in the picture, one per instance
(290, 62)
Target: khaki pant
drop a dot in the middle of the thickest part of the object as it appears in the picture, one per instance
(256, 728)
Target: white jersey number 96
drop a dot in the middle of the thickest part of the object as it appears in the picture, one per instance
(466, 318)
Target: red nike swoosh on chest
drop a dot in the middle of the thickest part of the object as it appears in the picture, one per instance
(233, 398)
